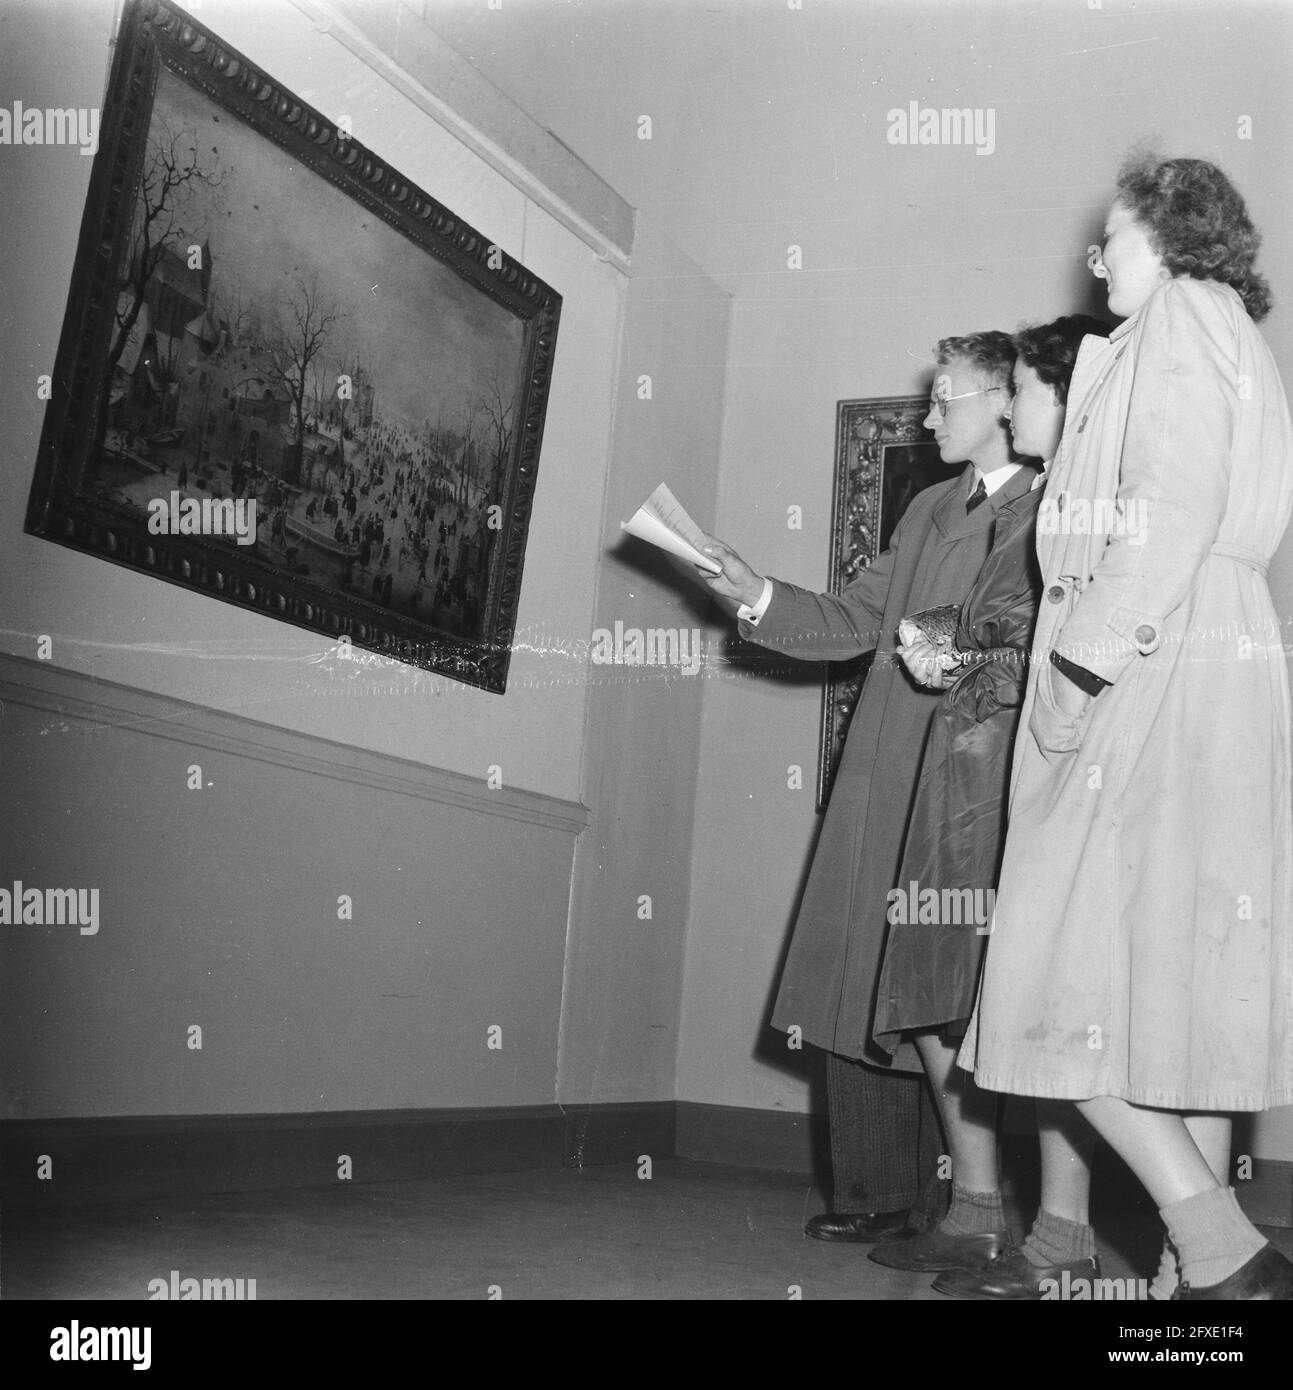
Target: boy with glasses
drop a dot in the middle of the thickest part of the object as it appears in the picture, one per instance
(885, 1140)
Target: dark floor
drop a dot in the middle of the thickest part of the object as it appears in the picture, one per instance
(692, 1231)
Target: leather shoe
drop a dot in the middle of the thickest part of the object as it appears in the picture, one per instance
(863, 1226)
(933, 1250)
(1013, 1275)
(1268, 1277)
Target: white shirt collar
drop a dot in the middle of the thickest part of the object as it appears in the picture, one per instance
(998, 478)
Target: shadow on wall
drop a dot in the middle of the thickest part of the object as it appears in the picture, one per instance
(1090, 296)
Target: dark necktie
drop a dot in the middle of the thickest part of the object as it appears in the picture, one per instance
(980, 494)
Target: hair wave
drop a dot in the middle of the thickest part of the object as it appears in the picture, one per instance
(1051, 349)
(1197, 222)
(991, 354)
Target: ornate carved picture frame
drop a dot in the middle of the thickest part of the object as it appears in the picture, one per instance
(884, 455)
(288, 378)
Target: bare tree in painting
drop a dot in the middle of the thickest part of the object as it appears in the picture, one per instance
(172, 175)
(357, 374)
(324, 374)
(299, 336)
(470, 412)
(231, 311)
(497, 403)
(334, 383)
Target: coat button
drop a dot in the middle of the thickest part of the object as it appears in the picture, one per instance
(1147, 638)
(1055, 593)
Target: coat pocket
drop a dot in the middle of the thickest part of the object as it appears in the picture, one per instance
(1055, 729)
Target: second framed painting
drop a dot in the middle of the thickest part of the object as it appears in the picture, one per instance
(884, 456)
(289, 378)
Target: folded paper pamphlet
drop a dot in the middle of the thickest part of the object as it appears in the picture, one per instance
(663, 521)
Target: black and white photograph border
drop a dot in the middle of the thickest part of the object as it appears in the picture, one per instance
(530, 964)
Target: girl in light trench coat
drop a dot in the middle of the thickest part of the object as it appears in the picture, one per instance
(1139, 961)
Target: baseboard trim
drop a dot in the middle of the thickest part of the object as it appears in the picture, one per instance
(620, 1133)
(798, 1143)
(114, 1159)
(1267, 1197)
(779, 1140)
(119, 1159)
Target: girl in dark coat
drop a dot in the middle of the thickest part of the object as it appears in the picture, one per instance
(941, 911)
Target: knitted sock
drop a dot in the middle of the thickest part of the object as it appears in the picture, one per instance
(1168, 1276)
(973, 1213)
(1213, 1236)
(1055, 1241)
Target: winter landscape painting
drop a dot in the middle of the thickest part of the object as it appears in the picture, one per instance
(294, 381)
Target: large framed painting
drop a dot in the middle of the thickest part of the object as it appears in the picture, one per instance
(288, 378)
(884, 456)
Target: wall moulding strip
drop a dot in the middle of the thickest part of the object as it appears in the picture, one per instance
(107, 704)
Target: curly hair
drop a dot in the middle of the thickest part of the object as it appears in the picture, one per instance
(1197, 222)
(1051, 349)
(991, 354)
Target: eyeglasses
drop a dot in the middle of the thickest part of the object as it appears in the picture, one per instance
(942, 402)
